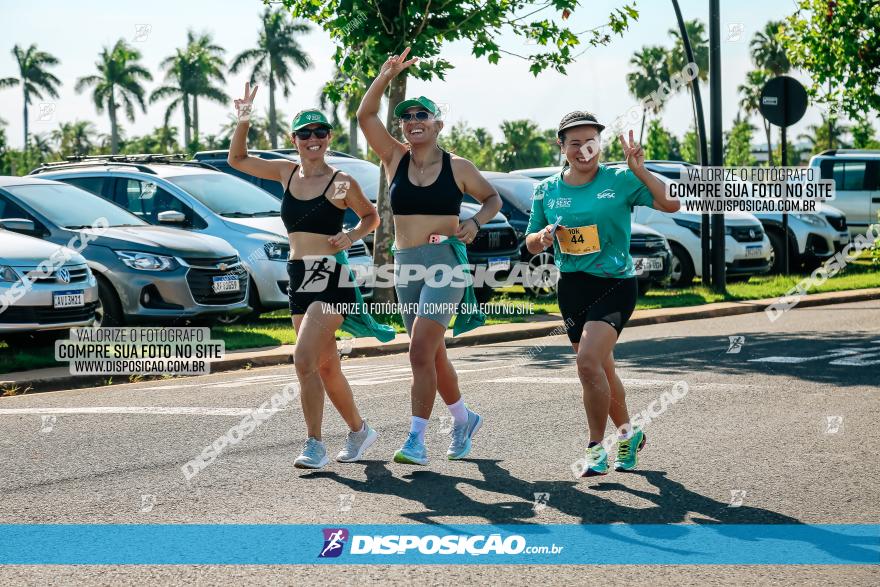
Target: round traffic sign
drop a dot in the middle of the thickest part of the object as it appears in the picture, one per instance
(783, 101)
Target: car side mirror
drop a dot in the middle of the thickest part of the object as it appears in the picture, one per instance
(171, 217)
(18, 225)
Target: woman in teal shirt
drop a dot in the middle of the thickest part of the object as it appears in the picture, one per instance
(590, 206)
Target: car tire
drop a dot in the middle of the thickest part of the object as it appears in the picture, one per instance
(681, 273)
(541, 291)
(256, 309)
(776, 244)
(109, 310)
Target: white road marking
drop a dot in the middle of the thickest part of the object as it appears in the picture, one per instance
(140, 410)
(858, 360)
(630, 382)
(797, 360)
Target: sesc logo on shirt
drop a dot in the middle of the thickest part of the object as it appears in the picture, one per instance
(606, 194)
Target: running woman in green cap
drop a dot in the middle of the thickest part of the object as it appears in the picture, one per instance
(312, 207)
(426, 189)
(584, 212)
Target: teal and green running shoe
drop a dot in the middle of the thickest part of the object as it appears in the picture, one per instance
(595, 461)
(628, 451)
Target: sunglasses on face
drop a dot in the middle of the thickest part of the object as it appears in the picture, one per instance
(420, 115)
(306, 133)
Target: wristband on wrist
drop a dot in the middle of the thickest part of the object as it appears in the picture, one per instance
(477, 222)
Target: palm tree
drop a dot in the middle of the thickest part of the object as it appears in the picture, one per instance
(178, 76)
(275, 57)
(206, 63)
(42, 146)
(768, 52)
(118, 83)
(652, 70)
(34, 77)
(74, 138)
(828, 134)
(751, 102)
(524, 146)
(350, 102)
(696, 32)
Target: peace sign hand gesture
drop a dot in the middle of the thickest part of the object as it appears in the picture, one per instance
(633, 152)
(243, 106)
(397, 63)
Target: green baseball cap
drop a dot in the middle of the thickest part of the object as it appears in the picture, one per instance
(307, 117)
(420, 102)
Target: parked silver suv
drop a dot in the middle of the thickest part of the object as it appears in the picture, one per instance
(198, 198)
(43, 287)
(144, 272)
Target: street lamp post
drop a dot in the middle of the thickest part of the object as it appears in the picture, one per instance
(717, 157)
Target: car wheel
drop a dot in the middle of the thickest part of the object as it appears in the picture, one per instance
(253, 302)
(776, 244)
(109, 310)
(681, 272)
(545, 285)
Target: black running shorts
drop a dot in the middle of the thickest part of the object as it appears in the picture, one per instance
(584, 297)
(317, 282)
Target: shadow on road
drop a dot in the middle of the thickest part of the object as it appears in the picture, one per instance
(673, 504)
(841, 359)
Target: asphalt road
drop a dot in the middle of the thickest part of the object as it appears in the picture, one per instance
(776, 427)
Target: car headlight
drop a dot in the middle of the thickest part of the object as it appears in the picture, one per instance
(8, 274)
(811, 219)
(689, 224)
(277, 251)
(147, 261)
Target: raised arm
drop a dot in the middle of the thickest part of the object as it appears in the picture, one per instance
(276, 169)
(378, 137)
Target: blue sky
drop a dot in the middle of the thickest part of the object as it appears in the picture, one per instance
(476, 92)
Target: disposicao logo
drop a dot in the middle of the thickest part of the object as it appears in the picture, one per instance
(334, 542)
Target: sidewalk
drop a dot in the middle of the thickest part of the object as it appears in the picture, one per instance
(58, 378)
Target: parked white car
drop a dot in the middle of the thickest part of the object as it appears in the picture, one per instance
(856, 173)
(60, 294)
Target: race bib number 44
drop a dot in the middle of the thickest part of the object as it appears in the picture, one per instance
(580, 240)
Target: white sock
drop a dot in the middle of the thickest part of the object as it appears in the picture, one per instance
(627, 432)
(458, 411)
(418, 425)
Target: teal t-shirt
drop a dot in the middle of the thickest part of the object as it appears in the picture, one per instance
(607, 202)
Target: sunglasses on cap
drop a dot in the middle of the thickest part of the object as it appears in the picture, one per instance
(420, 115)
(306, 133)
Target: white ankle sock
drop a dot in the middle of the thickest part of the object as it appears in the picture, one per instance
(627, 432)
(418, 426)
(458, 411)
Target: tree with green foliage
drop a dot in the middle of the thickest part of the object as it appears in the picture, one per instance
(863, 135)
(34, 77)
(738, 144)
(523, 146)
(277, 54)
(689, 148)
(659, 143)
(768, 49)
(118, 83)
(651, 72)
(475, 144)
(817, 135)
(74, 138)
(206, 67)
(838, 43)
(696, 32)
(368, 31)
(177, 88)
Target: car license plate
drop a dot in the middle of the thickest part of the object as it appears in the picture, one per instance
(754, 251)
(648, 264)
(224, 283)
(499, 263)
(69, 299)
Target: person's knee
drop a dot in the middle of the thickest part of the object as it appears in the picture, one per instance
(306, 360)
(422, 354)
(589, 364)
(328, 368)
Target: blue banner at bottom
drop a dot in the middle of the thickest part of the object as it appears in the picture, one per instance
(275, 544)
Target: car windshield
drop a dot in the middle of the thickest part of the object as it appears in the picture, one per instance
(228, 195)
(518, 190)
(71, 207)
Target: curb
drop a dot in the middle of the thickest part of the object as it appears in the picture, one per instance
(42, 380)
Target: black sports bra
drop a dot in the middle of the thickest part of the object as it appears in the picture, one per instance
(316, 214)
(440, 198)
